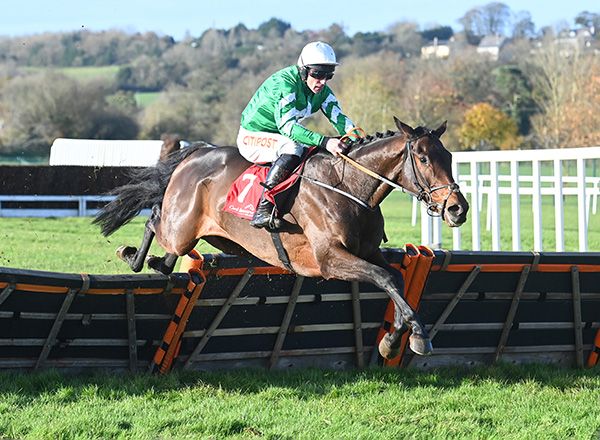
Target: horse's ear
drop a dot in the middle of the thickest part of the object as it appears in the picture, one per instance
(406, 129)
(440, 130)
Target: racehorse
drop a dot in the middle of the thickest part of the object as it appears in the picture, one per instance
(336, 225)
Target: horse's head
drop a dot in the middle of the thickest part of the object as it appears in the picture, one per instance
(428, 173)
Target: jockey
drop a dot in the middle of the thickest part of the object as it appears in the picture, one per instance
(270, 129)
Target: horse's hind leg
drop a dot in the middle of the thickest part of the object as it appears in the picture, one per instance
(164, 265)
(136, 257)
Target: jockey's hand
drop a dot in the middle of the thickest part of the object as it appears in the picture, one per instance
(335, 146)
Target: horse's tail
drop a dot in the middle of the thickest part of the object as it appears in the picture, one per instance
(146, 189)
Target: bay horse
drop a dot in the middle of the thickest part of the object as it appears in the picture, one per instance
(335, 234)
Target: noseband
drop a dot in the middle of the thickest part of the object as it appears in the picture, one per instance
(424, 195)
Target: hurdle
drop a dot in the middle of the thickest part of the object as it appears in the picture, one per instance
(226, 312)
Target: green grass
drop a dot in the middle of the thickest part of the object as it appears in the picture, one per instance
(83, 72)
(144, 99)
(70, 244)
(109, 73)
(504, 402)
(91, 72)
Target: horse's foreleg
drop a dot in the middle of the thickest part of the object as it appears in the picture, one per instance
(341, 264)
(389, 346)
(136, 257)
(391, 341)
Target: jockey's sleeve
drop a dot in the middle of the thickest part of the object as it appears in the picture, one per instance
(287, 118)
(332, 110)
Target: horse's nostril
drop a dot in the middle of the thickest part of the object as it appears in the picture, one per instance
(455, 210)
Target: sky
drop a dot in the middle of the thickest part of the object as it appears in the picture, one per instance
(179, 18)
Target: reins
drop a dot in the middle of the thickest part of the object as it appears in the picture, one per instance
(337, 190)
(372, 173)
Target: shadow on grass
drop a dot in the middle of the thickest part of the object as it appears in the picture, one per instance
(305, 384)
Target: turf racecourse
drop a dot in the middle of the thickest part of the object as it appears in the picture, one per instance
(504, 401)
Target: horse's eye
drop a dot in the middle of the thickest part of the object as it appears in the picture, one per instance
(423, 159)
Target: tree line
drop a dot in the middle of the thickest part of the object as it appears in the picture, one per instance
(538, 93)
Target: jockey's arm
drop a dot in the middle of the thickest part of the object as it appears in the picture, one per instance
(332, 110)
(331, 144)
(288, 118)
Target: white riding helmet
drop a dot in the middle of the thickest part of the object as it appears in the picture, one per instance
(317, 52)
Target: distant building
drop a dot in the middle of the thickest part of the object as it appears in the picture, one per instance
(437, 49)
(575, 40)
(571, 41)
(491, 45)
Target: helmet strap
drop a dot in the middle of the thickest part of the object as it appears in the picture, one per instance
(303, 72)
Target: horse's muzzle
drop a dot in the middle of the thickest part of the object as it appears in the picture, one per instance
(455, 214)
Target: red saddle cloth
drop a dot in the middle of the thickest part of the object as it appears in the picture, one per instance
(244, 194)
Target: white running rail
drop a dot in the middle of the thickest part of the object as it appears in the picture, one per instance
(535, 174)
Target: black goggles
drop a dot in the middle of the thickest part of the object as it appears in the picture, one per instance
(320, 74)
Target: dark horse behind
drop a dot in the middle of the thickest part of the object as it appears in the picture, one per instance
(330, 234)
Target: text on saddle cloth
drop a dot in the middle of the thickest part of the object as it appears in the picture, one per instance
(245, 192)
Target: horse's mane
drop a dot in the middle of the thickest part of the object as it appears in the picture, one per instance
(419, 131)
(370, 138)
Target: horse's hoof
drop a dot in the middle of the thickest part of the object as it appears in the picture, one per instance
(420, 345)
(123, 252)
(157, 264)
(154, 263)
(385, 348)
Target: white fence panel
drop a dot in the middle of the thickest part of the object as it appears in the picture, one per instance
(79, 206)
(546, 179)
(515, 205)
(104, 153)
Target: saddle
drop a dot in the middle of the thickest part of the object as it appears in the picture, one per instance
(245, 192)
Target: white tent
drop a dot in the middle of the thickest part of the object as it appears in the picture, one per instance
(100, 153)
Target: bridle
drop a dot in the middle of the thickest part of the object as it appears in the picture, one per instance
(425, 190)
(434, 209)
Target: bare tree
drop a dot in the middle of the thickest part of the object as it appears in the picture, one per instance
(567, 90)
(523, 26)
(406, 38)
(430, 97)
(491, 19)
(367, 89)
(589, 20)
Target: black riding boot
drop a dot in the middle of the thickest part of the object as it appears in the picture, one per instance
(281, 169)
